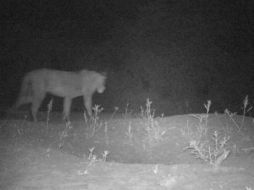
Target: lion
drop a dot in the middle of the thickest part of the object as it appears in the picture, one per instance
(36, 84)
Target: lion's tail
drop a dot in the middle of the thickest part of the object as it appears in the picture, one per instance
(26, 92)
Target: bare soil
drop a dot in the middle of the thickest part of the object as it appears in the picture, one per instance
(60, 156)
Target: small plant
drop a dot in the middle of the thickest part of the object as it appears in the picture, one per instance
(207, 107)
(231, 116)
(214, 151)
(246, 108)
(154, 133)
(93, 122)
(106, 133)
(147, 113)
(92, 158)
(64, 134)
(105, 155)
(129, 133)
(153, 130)
(91, 155)
(201, 127)
(127, 113)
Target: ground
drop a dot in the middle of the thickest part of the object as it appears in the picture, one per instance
(121, 151)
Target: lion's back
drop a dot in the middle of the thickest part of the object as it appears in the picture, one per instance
(62, 83)
(66, 83)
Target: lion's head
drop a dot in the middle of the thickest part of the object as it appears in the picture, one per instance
(93, 81)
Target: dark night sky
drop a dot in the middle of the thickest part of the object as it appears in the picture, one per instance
(173, 51)
(69, 19)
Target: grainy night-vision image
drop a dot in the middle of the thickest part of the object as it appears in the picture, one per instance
(126, 94)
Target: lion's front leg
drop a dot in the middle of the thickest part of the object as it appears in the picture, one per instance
(88, 104)
(36, 102)
(66, 108)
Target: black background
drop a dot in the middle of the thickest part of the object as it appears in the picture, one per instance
(178, 53)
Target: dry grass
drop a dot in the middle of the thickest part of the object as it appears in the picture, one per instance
(211, 149)
(93, 122)
(153, 131)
